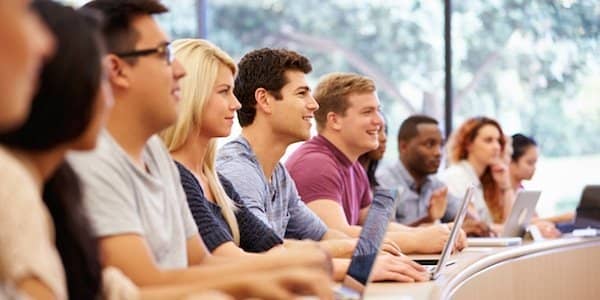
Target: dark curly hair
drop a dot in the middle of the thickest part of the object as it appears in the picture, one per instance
(264, 68)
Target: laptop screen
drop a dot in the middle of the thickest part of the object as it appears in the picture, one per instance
(371, 236)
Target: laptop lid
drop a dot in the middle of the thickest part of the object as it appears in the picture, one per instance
(588, 210)
(458, 221)
(369, 243)
(521, 213)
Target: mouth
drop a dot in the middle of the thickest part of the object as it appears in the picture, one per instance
(373, 133)
(176, 93)
(307, 118)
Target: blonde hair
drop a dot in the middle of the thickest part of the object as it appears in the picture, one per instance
(333, 90)
(202, 60)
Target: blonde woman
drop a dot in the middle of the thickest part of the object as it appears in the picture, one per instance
(206, 113)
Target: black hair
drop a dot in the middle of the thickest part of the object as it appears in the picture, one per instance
(408, 128)
(264, 68)
(520, 144)
(61, 111)
(118, 33)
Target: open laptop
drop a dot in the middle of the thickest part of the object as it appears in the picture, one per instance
(435, 267)
(588, 209)
(521, 213)
(367, 249)
(516, 223)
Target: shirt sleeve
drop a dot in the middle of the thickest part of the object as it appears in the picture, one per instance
(303, 223)
(108, 196)
(312, 187)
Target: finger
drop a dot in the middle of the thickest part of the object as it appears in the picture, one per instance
(407, 271)
(387, 248)
(399, 277)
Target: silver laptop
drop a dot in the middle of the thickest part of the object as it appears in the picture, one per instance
(521, 213)
(436, 270)
(367, 249)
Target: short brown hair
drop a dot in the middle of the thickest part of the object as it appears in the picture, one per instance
(333, 90)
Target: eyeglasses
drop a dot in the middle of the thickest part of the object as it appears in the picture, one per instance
(163, 50)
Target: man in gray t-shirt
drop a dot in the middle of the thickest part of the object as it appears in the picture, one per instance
(121, 198)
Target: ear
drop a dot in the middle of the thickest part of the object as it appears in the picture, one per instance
(263, 100)
(402, 146)
(333, 121)
(118, 72)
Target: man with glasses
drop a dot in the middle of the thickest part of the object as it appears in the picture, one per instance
(131, 187)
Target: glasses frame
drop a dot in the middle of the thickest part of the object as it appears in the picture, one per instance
(162, 49)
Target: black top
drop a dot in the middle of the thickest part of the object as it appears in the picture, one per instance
(255, 236)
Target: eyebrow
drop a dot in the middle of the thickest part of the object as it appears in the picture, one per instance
(303, 88)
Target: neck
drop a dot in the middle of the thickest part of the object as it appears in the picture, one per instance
(336, 140)
(417, 177)
(477, 166)
(516, 182)
(193, 152)
(267, 146)
(42, 164)
(129, 133)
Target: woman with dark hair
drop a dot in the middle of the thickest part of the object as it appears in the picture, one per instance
(475, 152)
(522, 167)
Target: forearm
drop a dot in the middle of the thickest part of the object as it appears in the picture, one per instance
(340, 248)
(406, 240)
(340, 268)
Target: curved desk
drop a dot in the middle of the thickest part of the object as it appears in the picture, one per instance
(554, 269)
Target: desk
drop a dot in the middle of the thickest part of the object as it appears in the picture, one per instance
(553, 269)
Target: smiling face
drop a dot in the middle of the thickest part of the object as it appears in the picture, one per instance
(360, 124)
(219, 110)
(25, 43)
(292, 115)
(154, 83)
(486, 147)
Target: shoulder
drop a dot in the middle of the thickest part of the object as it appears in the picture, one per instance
(17, 185)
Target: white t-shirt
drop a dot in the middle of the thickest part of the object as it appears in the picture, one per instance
(458, 177)
(120, 198)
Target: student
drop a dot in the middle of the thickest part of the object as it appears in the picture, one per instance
(326, 171)
(522, 167)
(276, 111)
(25, 44)
(475, 152)
(131, 188)
(207, 110)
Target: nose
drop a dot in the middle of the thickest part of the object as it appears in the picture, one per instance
(312, 103)
(235, 103)
(44, 43)
(178, 70)
(378, 119)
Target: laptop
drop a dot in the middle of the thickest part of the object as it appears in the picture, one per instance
(436, 266)
(367, 249)
(521, 213)
(588, 209)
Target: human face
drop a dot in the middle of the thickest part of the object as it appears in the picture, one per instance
(292, 115)
(422, 154)
(154, 84)
(25, 43)
(360, 124)
(378, 153)
(220, 107)
(486, 147)
(524, 167)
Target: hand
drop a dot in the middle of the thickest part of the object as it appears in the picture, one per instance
(500, 174)
(208, 295)
(431, 239)
(288, 284)
(461, 240)
(398, 268)
(390, 247)
(437, 203)
(477, 228)
(547, 229)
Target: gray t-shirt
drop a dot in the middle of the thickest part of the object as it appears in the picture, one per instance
(120, 198)
(412, 204)
(276, 203)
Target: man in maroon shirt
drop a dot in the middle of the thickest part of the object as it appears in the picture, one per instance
(326, 170)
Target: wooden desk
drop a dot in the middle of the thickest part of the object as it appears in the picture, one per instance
(554, 269)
